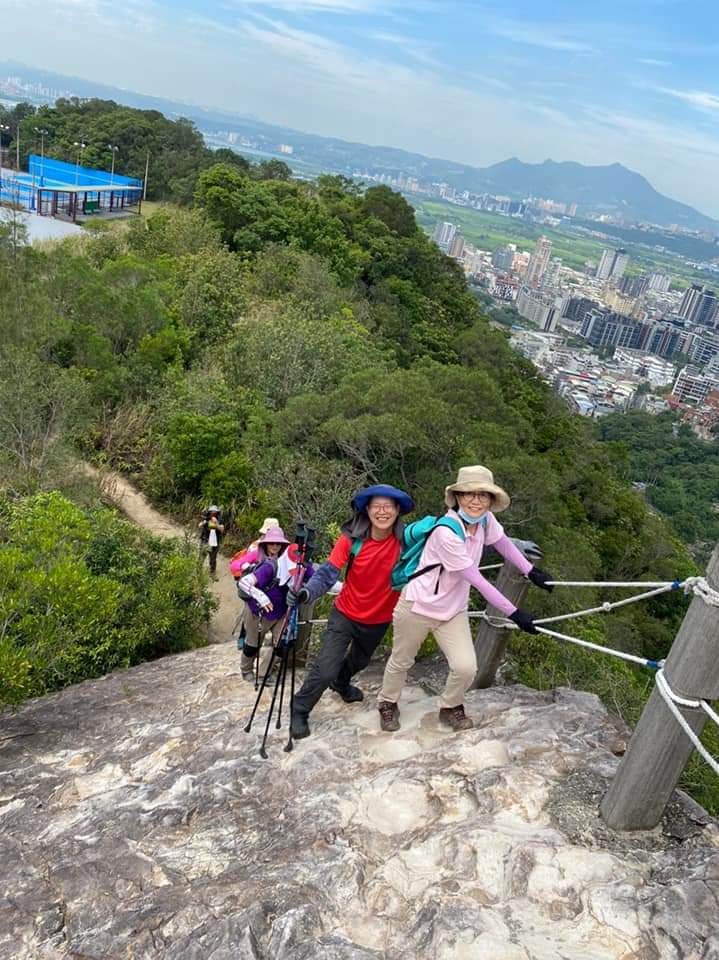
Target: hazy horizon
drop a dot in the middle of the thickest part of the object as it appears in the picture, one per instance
(462, 83)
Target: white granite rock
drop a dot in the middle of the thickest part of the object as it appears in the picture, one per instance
(138, 821)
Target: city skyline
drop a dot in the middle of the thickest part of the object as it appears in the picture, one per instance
(463, 83)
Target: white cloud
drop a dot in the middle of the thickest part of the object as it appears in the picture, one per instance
(697, 98)
(651, 62)
(538, 35)
(334, 6)
(420, 52)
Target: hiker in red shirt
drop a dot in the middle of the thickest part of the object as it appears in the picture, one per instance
(368, 550)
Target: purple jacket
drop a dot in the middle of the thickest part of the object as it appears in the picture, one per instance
(265, 580)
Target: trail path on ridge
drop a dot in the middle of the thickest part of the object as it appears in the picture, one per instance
(136, 507)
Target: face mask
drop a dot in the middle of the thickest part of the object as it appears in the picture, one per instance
(468, 519)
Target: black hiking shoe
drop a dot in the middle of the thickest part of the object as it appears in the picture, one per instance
(455, 717)
(349, 693)
(388, 715)
(299, 727)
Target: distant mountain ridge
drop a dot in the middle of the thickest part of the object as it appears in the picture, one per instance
(610, 188)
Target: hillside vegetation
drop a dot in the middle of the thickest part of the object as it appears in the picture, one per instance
(279, 345)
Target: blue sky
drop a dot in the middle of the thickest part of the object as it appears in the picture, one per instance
(634, 81)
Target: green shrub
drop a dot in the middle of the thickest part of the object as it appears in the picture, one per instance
(84, 592)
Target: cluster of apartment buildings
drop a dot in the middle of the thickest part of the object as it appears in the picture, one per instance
(639, 335)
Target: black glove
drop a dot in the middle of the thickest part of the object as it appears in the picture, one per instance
(524, 620)
(300, 596)
(539, 578)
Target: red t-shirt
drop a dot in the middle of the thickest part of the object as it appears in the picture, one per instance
(367, 595)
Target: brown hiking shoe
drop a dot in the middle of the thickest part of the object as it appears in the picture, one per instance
(455, 718)
(388, 715)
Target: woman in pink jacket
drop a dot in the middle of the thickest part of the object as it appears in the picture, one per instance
(437, 600)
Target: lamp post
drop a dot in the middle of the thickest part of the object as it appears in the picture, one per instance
(113, 149)
(4, 128)
(43, 133)
(80, 147)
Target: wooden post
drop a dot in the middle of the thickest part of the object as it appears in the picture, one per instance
(491, 642)
(659, 749)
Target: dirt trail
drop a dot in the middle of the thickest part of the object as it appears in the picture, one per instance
(135, 506)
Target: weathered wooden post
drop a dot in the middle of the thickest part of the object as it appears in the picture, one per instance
(659, 749)
(491, 642)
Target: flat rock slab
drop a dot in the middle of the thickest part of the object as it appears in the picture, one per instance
(137, 820)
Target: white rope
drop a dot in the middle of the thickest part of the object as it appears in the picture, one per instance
(614, 583)
(710, 713)
(607, 606)
(642, 661)
(501, 622)
(700, 588)
(672, 700)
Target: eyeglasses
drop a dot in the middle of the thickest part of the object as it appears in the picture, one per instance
(482, 495)
(382, 507)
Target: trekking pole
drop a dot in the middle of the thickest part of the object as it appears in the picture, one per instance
(263, 752)
(262, 688)
(289, 743)
(283, 672)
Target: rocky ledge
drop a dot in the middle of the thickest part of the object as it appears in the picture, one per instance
(138, 821)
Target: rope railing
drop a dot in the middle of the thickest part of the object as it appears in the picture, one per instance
(697, 586)
(673, 702)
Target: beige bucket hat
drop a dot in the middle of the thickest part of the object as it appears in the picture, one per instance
(475, 480)
(269, 523)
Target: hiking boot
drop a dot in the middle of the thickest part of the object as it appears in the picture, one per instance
(299, 727)
(388, 715)
(349, 693)
(247, 667)
(455, 718)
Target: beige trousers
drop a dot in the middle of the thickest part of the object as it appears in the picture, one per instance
(455, 641)
(257, 634)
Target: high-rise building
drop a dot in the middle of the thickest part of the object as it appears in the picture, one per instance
(612, 265)
(456, 247)
(550, 280)
(503, 257)
(690, 300)
(659, 282)
(444, 234)
(699, 306)
(692, 386)
(538, 262)
(620, 264)
(576, 308)
(606, 328)
(539, 309)
(633, 286)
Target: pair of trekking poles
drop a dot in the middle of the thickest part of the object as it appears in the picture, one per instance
(285, 649)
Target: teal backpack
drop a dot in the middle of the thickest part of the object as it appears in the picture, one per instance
(414, 539)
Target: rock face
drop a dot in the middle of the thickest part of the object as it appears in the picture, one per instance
(138, 821)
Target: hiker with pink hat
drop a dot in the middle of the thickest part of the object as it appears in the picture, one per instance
(264, 591)
(436, 597)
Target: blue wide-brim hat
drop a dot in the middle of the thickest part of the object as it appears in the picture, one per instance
(362, 498)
